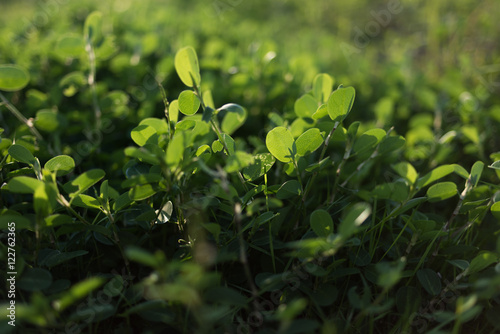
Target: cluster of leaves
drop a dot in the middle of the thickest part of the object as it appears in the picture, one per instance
(312, 225)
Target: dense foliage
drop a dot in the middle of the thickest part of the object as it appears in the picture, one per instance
(188, 168)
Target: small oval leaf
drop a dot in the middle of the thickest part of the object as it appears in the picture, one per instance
(441, 191)
(13, 78)
(321, 223)
(430, 281)
(61, 164)
(21, 154)
(188, 102)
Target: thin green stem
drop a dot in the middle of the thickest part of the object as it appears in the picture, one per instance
(91, 81)
(20, 117)
(323, 152)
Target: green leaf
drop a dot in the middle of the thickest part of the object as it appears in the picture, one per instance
(261, 165)
(139, 193)
(321, 223)
(160, 125)
(459, 170)
(49, 121)
(57, 258)
(22, 222)
(13, 78)
(77, 292)
(173, 111)
(142, 256)
(365, 145)
(309, 141)
(495, 165)
(214, 229)
(187, 67)
(85, 201)
(495, 210)
(340, 103)
(189, 103)
(322, 87)
(92, 28)
(321, 112)
(355, 216)
(476, 171)
(140, 179)
(207, 114)
(238, 161)
(289, 189)
(175, 150)
(44, 199)
(230, 143)
(71, 83)
(22, 154)
(70, 46)
(58, 220)
(34, 279)
(434, 175)
(24, 185)
(430, 281)
(83, 182)
(122, 201)
(482, 261)
(305, 106)
(441, 191)
(62, 165)
(144, 134)
(280, 143)
(390, 144)
(406, 170)
(142, 154)
(235, 116)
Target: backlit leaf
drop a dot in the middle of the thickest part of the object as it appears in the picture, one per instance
(144, 134)
(280, 143)
(442, 191)
(83, 182)
(322, 87)
(309, 141)
(234, 118)
(262, 164)
(24, 185)
(187, 67)
(62, 165)
(305, 106)
(406, 170)
(188, 102)
(340, 103)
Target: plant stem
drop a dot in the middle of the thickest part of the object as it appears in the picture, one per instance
(323, 151)
(19, 116)
(91, 81)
